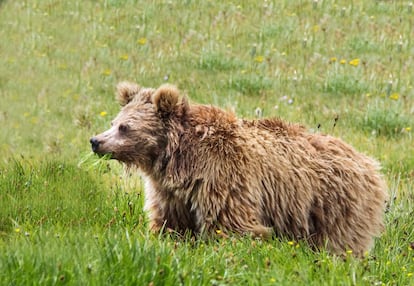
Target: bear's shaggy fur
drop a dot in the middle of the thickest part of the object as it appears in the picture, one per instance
(206, 170)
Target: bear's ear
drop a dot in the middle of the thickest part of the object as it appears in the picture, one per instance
(165, 99)
(126, 91)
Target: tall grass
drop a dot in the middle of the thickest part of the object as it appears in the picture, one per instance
(67, 218)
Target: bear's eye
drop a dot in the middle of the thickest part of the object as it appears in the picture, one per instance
(123, 128)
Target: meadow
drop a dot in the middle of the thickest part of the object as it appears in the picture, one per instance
(343, 68)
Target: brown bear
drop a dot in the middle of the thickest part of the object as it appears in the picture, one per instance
(207, 171)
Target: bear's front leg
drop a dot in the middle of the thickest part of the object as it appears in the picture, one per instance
(156, 221)
(167, 215)
(155, 213)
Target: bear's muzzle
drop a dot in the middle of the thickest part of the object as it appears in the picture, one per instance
(94, 144)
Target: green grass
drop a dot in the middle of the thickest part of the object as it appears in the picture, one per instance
(70, 218)
(386, 120)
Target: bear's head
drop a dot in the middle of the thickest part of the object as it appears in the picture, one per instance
(138, 134)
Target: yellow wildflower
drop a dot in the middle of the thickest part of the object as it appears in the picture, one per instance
(342, 61)
(333, 59)
(259, 59)
(394, 96)
(34, 120)
(349, 251)
(291, 242)
(354, 62)
(124, 57)
(17, 230)
(218, 231)
(103, 113)
(408, 129)
(107, 72)
(142, 41)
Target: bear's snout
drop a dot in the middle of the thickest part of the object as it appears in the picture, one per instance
(94, 144)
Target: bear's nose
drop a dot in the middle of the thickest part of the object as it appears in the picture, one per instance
(94, 144)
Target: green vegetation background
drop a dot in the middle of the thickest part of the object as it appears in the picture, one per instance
(68, 218)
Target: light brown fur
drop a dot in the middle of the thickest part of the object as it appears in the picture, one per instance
(206, 170)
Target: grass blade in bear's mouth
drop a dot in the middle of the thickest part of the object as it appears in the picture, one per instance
(94, 160)
(106, 156)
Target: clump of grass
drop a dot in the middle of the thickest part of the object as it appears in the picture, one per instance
(345, 84)
(249, 85)
(385, 119)
(360, 44)
(218, 62)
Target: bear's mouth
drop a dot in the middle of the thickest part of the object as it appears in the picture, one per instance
(96, 146)
(106, 156)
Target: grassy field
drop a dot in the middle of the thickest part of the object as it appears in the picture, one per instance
(68, 218)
